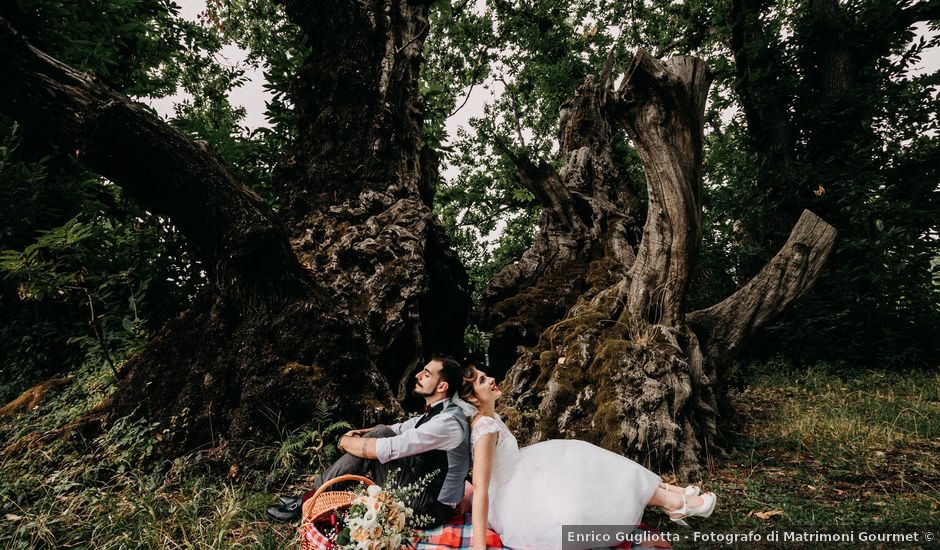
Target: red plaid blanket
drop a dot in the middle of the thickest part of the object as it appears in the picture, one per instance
(455, 534)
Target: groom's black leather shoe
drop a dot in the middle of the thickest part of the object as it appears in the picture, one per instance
(286, 512)
(287, 500)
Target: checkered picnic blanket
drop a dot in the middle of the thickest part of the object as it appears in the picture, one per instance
(455, 534)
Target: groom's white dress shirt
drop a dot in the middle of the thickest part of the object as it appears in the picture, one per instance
(442, 432)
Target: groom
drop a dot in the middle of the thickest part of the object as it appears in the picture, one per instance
(438, 440)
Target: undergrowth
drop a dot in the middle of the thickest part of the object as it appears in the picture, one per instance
(816, 447)
(117, 492)
(825, 447)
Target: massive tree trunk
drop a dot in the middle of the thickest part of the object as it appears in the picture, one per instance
(587, 228)
(764, 86)
(762, 90)
(358, 187)
(339, 296)
(333, 301)
(626, 367)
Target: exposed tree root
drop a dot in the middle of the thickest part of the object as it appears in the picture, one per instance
(31, 398)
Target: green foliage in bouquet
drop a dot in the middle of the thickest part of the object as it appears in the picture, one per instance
(380, 518)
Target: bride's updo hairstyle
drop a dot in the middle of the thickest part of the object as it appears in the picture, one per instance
(466, 388)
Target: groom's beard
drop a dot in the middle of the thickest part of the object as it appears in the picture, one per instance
(416, 392)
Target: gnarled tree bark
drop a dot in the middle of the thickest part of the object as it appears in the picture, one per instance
(585, 234)
(625, 368)
(335, 299)
(358, 186)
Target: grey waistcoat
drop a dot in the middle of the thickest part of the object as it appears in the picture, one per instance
(458, 460)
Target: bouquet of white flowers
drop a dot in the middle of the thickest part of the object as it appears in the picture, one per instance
(379, 518)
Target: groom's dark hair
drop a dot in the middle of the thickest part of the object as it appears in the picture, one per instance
(451, 372)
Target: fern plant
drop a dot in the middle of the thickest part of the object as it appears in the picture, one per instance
(310, 447)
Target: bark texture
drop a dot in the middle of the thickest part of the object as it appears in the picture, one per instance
(358, 187)
(663, 107)
(624, 368)
(586, 231)
(334, 300)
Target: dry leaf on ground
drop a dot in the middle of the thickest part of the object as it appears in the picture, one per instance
(766, 515)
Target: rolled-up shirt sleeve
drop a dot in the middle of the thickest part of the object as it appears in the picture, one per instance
(396, 428)
(442, 432)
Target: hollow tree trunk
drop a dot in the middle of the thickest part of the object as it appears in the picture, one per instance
(333, 301)
(624, 368)
(586, 229)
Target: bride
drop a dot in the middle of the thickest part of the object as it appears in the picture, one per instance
(527, 495)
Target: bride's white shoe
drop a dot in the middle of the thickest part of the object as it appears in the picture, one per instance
(701, 511)
(689, 491)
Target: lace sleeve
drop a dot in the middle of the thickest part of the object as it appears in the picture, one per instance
(485, 425)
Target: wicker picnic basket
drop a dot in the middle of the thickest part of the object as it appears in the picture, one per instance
(318, 508)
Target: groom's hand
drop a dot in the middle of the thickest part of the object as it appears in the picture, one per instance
(356, 445)
(351, 433)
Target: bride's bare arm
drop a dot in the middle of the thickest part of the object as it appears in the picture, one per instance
(482, 467)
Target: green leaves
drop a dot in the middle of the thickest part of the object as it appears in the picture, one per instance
(776, 143)
(853, 124)
(84, 274)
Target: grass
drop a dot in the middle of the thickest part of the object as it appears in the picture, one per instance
(814, 447)
(115, 493)
(118, 498)
(819, 448)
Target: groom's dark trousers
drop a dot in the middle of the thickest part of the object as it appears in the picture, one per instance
(407, 470)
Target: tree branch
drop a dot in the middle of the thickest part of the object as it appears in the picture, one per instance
(543, 181)
(473, 78)
(725, 326)
(230, 228)
(662, 104)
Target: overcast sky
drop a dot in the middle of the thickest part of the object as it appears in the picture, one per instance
(252, 95)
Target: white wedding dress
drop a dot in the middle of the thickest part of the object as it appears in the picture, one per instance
(536, 490)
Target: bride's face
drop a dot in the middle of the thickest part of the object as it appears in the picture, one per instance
(485, 388)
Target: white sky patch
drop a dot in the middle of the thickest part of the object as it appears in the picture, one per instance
(251, 95)
(190, 9)
(930, 59)
(253, 98)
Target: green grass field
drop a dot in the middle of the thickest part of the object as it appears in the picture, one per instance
(809, 448)
(816, 449)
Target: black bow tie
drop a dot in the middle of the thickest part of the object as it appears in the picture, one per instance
(429, 412)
